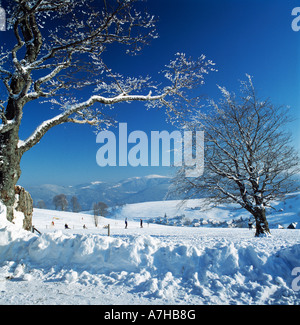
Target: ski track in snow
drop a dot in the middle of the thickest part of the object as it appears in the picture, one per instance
(155, 264)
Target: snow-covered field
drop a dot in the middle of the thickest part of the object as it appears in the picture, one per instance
(156, 264)
(194, 213)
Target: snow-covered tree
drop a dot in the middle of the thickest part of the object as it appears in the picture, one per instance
(249, 158)
(58, 51)
(60, 201)
(76, 207)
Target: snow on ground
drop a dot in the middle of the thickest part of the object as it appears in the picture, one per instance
(194, 213)
(156, 264)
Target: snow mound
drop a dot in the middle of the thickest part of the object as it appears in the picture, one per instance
(155, 264)
(17, 221)
(214, 271)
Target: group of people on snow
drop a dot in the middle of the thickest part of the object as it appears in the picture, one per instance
(84, 226)
(126, 223)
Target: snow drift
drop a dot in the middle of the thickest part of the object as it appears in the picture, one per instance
(216, 271)
(155, 264)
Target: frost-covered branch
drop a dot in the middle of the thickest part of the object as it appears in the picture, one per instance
(65, 116)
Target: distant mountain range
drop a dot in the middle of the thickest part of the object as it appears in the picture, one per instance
(131, 190)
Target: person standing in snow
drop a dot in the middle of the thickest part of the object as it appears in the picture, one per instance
(249, 224)
(126, 223)
(141, 223)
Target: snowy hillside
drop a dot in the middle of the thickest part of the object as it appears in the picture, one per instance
(156, 264)
(194, 213)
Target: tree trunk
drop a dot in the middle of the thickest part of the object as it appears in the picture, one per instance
(10, 170)
(262, 226)
(25, 205)
(13, 197)
(10, 154)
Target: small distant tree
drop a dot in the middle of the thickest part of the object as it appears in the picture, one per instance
(60, 202)
(249, 157)
(41, 204)
(100, 209)
(76, 207)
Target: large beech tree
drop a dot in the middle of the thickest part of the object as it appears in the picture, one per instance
(58, 51)
(249, 156)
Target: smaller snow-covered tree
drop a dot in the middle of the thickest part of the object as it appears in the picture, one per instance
(41, 204)
(60, 201)
(100, 209)
(249, 159)
(76, 207)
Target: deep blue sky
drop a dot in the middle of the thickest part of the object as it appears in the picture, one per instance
(240, 36)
